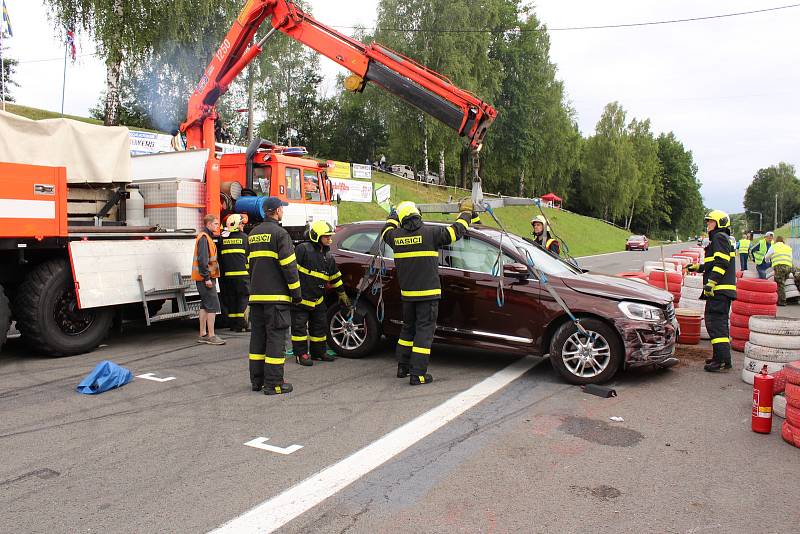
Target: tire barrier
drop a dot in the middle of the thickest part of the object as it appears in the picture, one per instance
(756, 297)
(755, 284)
(781, 326)
(792, 415)
(747, 308)
(749, 275)
(739, 332)
(773, 341)
(694, 281)
(753, 366)
(693, 293)
(738, 344)
(790, 431)
(790, 434)
(742, 321)
(779, 406)
(792, 373)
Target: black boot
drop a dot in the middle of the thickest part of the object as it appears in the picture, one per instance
(256, 387)
(717, 367)
(304, 359)
(324, 357)
(278, 390)
(418, 380)
(402, 370)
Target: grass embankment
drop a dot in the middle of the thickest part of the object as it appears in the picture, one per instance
(584, 235)
(38, 114)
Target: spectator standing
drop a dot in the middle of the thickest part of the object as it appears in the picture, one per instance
(205, 271)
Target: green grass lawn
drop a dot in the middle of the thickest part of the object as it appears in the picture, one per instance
(584, 235)
(38, 114)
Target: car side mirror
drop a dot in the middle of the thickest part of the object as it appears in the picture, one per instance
(515, 270)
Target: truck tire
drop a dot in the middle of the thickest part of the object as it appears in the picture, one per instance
(48, 316)
(781, 326)
(5, 317)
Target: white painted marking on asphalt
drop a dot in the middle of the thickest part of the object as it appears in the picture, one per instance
(279, 510)
(261, 443)
(154, 378)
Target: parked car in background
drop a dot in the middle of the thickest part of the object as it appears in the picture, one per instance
(431, 178)
(630, 324)
(403, 170)
(637, 242)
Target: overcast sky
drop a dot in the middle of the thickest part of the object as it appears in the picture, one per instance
(726, 87)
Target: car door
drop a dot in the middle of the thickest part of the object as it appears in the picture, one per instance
(472, 306)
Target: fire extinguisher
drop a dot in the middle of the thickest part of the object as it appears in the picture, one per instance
(763, 386)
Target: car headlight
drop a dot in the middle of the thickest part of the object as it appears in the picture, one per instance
(641, 312)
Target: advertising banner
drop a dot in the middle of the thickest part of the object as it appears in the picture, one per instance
(338, 169)
(149, 143)
(351, 190)
(362, 171)
(383, 193)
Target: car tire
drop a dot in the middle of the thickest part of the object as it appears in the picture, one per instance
(770, 354)
(792, 394)
(47, 314)
(777, 342)
(742, 321)
(738, 332)
(362, 339)
(781, 326)
(756, 297)
(608, 346)
(792, 373)
(746, 308)
(757, 284)
(790, 434)
(791, 414)
(736, 344)
(753, 366)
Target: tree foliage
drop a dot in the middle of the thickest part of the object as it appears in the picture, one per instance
(774, 182)
(9, 72)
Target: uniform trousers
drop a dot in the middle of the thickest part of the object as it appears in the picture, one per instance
(416, 336)
(717, 314)
(309, 328)
(268, 323)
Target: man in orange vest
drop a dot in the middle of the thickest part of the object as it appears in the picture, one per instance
(205, 271)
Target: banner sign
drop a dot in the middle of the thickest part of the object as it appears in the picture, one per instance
(362, 171)
(383, 193)
(149, 143)
(351, 190)
(338, 169)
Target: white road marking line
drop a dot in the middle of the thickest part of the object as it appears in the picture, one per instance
(279, 510)
(261, 443)
(151, 376)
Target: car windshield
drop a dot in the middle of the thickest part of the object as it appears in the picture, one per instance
(636, 238)
(542, 260)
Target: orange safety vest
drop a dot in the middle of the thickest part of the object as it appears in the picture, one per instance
(213, 264)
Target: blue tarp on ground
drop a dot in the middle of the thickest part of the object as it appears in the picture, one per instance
(106, 375)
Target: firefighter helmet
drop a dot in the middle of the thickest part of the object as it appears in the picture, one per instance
(542, 221)
(234, 222)
(319, 229)
(719, 217)
(407, 209)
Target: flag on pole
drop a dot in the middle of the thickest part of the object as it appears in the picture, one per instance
(70, 42)
(5, 27)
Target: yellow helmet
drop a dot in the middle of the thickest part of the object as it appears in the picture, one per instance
(719, 217)
(319, 229)
(407, 209)
(233, 222)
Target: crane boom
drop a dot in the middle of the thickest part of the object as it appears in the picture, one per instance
(419, 86)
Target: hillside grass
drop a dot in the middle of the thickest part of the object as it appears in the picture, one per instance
(583, 235)
(38, 114)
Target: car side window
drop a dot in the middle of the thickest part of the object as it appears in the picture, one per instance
(362, 242)
(469, 254)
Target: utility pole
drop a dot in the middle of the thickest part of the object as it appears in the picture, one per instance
(760, 217)
(776, 213)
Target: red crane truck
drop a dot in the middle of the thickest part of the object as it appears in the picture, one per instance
(63, 279)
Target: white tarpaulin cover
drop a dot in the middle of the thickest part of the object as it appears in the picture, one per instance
(92, 154)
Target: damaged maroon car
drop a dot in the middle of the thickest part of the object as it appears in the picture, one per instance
(630, 324)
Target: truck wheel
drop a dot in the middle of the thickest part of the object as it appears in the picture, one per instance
(354, 339)
(48, 316)
(5, 317)
(578, 364)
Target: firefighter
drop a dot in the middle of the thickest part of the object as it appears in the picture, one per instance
(759, 251)
(317, 268)
(780, 255)
(719, 288)
(743, 248)
(235, 275)
(274, 286)
(416, 256)
(541, 234)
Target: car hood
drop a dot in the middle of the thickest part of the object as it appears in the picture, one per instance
(616, 288)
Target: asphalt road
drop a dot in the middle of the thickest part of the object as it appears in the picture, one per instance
(537, 455)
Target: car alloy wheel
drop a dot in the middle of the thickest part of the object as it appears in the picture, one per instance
(349, 335)
(586, 358)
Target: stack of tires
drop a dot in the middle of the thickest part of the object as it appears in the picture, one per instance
(791, 426)
(691, 292)
(753, 297)
(674, 282)
(650, 266)
(633, 275)
(774, 342)
(791, 289)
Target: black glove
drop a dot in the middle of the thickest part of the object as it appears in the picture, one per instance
(297, 300)
(393, 215)
(708, 290)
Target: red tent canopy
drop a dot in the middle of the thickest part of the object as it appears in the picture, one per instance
(551, 197)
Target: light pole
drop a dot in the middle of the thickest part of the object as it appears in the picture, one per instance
(760, 217)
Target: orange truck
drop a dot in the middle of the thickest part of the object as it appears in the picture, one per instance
(79, 243)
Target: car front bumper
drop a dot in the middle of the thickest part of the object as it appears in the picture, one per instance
(648, 343)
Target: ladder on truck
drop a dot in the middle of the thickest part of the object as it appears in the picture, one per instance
(176, 291)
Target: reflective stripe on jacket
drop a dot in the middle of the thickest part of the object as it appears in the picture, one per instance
(416, 253)
(233, 254)
(273, 269)
(202, 268)
(317, 267)
(719, 268)
(781, 254)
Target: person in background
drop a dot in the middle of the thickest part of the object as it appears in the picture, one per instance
(780, 256)
(743, 248)
(205, 271)
(759, 251)
(541, 234)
